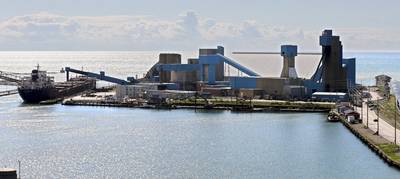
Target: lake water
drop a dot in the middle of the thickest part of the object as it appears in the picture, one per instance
(94, 142)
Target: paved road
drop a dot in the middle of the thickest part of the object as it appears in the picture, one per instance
(385, 129)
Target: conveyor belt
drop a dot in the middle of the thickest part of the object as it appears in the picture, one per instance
(11, 77)
(8, 92)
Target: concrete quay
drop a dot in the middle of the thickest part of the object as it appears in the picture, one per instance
(382, 142)
(213, 103)
(385, 129)
(380, 145)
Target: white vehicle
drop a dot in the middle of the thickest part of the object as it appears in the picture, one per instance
(351, 119)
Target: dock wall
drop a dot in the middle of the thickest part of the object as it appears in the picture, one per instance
(368, 137)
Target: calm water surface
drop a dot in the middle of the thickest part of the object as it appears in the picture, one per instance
(93, 142)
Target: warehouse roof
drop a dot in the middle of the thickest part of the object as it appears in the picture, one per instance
(328, 94)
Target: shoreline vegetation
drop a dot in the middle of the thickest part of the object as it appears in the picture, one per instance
(387, 110)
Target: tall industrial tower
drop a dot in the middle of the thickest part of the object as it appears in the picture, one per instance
(289, 52)
(334, 75)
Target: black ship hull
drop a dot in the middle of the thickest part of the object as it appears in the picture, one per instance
(59, 91)
(37, 95)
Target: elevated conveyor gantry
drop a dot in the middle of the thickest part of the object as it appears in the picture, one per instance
(100, 76)
(10, 77)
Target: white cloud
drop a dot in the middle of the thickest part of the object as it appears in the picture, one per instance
(189, 23)
(46, 31)
(38, 27)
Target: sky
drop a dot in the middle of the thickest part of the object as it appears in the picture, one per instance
(251, 25)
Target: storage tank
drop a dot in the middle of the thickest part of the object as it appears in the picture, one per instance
(8, 173)
(168, 58)
(193, 61)
(219, 74)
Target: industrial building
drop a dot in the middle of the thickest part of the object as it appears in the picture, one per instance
(382, 80)
(206, 73)
(383, 83)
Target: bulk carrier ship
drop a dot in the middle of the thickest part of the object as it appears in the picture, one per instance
(39, 87)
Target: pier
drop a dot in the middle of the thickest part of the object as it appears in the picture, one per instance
(213, 103)
(7, 83)
(373, 130)
(385, 149)
(256, 105)
(8, 92)
(10, 77)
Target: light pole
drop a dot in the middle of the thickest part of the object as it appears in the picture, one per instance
(360, 97)
(395, 122)
(362, 109)
(377, 120)
(195, 102)
(377, 131)
(367, 111)
(362, 102)
(396, 108)
(19, 169)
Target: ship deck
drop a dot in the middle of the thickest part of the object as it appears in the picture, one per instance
(74, 83)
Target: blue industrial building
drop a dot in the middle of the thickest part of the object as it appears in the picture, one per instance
(333, 73)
